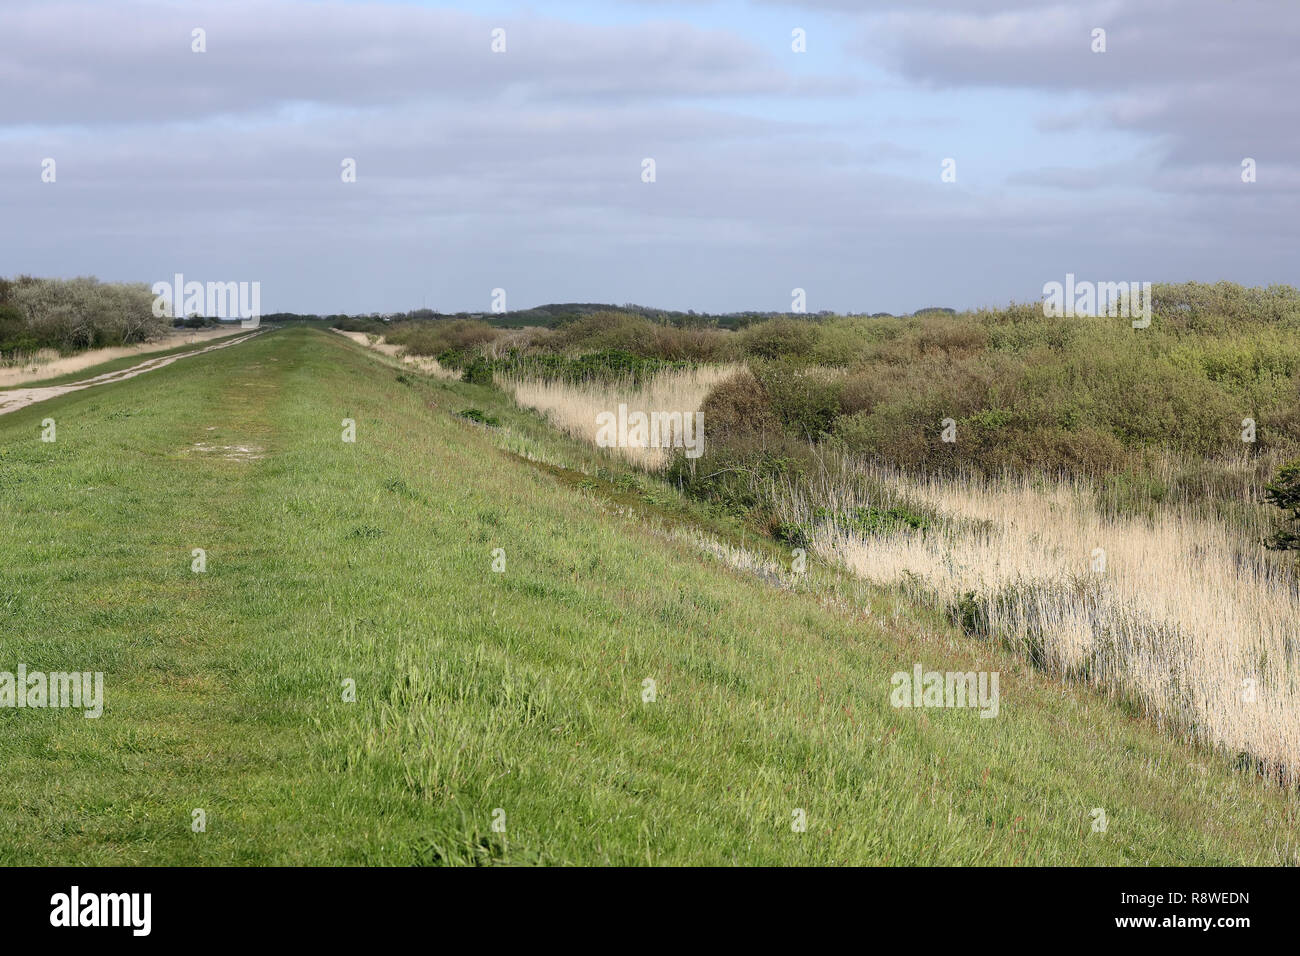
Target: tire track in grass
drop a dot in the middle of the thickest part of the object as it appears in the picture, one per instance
(13, 399)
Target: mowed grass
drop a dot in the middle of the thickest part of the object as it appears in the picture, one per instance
(477, 691)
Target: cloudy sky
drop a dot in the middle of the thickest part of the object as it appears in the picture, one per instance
(774, 169)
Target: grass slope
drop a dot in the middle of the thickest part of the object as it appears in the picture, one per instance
(476, 690)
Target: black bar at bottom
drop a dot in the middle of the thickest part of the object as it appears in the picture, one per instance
(337, 906)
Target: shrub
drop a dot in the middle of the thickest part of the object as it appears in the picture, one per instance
(474, 415)
(435, 337)
(845, 342)
(602, 330)
(806, 401)
(74, 314)
(738, 408)
(1284, 491)
(14, 333)
(477, 372)
(360, 324)
(780, 338)
(634, 335)
(745, 446)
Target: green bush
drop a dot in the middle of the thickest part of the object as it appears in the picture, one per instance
(805, 401)
(437, 336)
(780, 338)
(360, 324)
(477, 372)
(745, 446)
(1284, 491)
(74, 314)
(474, 415)
(15, 336)
(1078, 395)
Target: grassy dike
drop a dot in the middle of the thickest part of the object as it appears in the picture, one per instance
(522, 690)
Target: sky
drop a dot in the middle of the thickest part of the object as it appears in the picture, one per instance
(775, 169)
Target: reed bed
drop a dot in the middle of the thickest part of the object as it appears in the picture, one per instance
(1175, 608)
(1186, 616)
(573, 408)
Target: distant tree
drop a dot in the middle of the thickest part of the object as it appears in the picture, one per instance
(82, 313)
(1284, 491)
(14, 336)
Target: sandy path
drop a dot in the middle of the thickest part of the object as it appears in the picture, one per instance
(83, 360)
(421, 362)
(362, 339)
(18, 398)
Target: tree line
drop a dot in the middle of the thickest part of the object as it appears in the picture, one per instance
(75, 314)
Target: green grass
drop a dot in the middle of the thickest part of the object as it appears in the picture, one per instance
(520, 690)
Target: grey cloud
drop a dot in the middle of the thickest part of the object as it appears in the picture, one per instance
(1208, 79)
(92, 63)
(522, 170)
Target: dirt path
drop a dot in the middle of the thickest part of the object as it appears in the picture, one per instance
(36, 371)
(421, 362)
(17, 398)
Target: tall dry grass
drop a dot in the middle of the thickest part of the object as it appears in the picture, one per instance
(573, 407)
(1185, 615)
(1178, 609)
(423, 363)
(28, 360)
